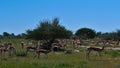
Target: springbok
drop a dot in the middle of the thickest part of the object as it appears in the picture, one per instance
(22, 45)
(31, 48)
(38, 52)
(7, 47)
(11, 49)
(96, 49)
(2, 50)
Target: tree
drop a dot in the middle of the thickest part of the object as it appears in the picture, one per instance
(85, 33)
(118, 34)
(12, 35)
(55, 22)
(110, 35)
(98, 33)
(1, 36)
(49, 30)
(22, 35)
(5, 34)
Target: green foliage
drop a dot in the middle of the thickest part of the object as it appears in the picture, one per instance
(6, 34)
(110, 35)
(21, 53)
(47, 30)
(85, 33)
(12, 35)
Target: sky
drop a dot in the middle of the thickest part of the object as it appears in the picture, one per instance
(17, 16)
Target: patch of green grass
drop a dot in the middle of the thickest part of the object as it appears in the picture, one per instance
(21, 53)
(83, 64)
(63, 65)
(112, 53)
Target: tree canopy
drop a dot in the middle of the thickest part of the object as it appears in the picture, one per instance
(85, 33)
(49, 30)
(110, 35)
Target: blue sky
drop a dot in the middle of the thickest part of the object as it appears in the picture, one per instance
(16, 16)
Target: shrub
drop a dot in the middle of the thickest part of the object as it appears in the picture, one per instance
(21, 53)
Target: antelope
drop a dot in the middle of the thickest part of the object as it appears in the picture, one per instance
(11, 49)
(29, 48)
(77, 43)
(96, 49)
(65, 44)
(7, 47)
(33, 45)
(56, 47)
(2, 50)
(38, 52)
(22, 45)
(113, 43)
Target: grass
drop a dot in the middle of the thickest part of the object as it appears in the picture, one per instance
(21, 53)
(53, 61)
(109, 59)
(60, 60)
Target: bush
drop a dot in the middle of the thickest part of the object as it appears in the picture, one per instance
(21, 53)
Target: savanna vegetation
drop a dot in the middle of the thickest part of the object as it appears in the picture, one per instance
(52, 30)
(109, 59)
